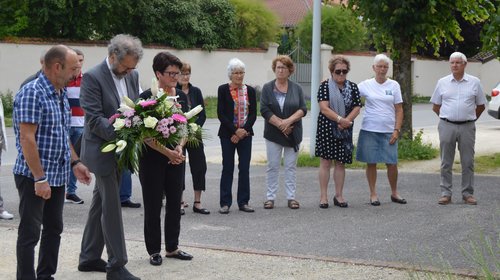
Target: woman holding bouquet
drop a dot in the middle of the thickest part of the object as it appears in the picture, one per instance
(161, 172)
(197, 160)
(237, 112)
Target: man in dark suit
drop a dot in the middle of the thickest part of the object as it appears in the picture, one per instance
(101, 92)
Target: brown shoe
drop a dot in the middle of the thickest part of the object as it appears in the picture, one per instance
(470, 200)
(444, 200)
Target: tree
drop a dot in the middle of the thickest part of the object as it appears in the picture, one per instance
(339, 28)
(491, 32)
(401, 26)
(256, 24)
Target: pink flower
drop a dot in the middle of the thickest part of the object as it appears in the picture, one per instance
(129, 113)
(147, 103)
(179, 118)
(113, 117)
(173, 129)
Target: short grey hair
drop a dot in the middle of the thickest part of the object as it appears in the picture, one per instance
(124, 44)
(458, 55)
(234, 64)
(381, 57)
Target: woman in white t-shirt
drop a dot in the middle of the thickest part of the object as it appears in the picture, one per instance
(381, 128)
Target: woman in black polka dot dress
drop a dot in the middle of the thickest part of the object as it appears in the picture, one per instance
(339, 104)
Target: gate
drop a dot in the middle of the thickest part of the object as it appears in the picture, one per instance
(302, 74)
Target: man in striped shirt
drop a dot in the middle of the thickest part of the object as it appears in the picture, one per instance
(76, 130)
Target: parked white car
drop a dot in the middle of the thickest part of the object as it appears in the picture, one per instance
(494, 105)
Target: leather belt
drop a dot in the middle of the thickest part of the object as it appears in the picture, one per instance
(457, 122)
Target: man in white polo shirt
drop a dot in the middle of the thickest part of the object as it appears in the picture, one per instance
(458, 100)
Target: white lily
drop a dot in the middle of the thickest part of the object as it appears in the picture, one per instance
(120, 145)
(161, 92)
(108, 148)
(128, 102)
(154, 87)
(193, 112)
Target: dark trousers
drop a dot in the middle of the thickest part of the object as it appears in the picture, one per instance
(104, 224)
(244, 149)
(198, 166)
(156, 180)
(34, 212)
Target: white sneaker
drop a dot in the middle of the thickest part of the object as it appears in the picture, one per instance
(6, 215)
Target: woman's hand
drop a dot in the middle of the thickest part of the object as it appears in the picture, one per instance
(344, 123)
(241, 133)
(175, 156)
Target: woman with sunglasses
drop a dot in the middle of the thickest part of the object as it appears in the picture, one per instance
(339, 104)
(381, 128)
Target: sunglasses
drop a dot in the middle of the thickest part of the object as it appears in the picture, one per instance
(338, 72)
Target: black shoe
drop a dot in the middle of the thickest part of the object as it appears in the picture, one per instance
(324, 205)
(340, 204)
(246, 208)
(130, 204)
(203, 211)
(181, 255)
(155, 259)
(73, 198)
(375, 202)
(95, 265)
(121, 274)
(398, 200)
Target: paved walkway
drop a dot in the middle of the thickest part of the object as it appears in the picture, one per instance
(360, 242)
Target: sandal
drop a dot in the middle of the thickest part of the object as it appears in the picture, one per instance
(293, 204)
(269, 204)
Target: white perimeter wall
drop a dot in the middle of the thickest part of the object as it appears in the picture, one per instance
(18, 61)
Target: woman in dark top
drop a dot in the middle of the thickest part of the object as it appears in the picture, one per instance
(282, 105)
(161, 172)
(197, 160)
(237, 112)
(339, 105)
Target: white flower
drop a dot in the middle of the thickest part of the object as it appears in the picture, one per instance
(194, 127)
(161, 92)
(128, 102)
(154, 87)
(118, 124)
(150, 122)
(193, 112)
(120, 145)
(108, 148)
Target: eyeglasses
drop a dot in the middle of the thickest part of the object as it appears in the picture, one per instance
(343, 71)
(172, 74)
(126, 67)
(239, 73)
(186, 74)
(281, 67)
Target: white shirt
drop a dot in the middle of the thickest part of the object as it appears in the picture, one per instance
(458, 99)
(380, 114)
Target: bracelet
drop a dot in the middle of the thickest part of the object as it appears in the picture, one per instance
(75, 162)
(398, 130)
(338, 118)
(42, 179)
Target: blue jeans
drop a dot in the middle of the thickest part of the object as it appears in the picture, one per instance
(126, 185)
(74, 134)
(244, 149)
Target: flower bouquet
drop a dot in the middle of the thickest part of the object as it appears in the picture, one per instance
(159, 118)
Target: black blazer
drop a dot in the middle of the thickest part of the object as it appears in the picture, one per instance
(196, 98)
(225, 111)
